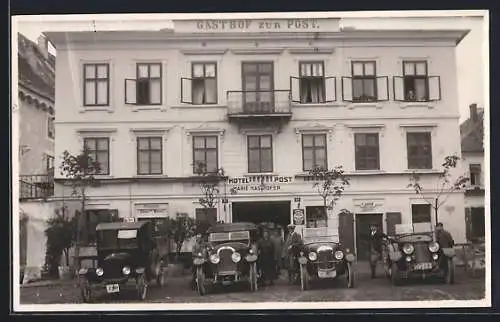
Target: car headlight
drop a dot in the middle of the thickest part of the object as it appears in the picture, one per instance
(126, 270)
(408, 249)
(236, 257)
(214, 258)
(99, 271)
(250, 251)
(434, 247)
(339, 255)
(313, 256)
(435, 257)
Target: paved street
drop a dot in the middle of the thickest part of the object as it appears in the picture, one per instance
(177, 290)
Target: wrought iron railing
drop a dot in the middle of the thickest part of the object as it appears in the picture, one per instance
(36, 186)
(259, 102)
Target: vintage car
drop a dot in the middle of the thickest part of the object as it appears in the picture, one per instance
(417, 255)
(322, 257)
(127, 260)
(230, 257)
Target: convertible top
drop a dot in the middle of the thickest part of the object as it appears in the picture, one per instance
(229, 227)
(121, 225)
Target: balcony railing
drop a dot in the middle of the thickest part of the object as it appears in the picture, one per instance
(36, 186)
(259, 103)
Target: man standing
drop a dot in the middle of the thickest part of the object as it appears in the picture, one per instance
(291, 250)
(443, 237)
(276, 240)
(375, 246)
(266, 258)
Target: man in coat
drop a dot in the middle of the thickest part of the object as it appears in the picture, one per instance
(291, 248)
(266, 260)
(375, 245)
(277, 243)
(443, 237)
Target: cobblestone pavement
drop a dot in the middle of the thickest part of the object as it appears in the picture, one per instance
(177, 290)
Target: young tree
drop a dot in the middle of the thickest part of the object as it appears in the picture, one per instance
(445, 185)
(329, 184)
(80, 170)
(209, 186)
(180, 229)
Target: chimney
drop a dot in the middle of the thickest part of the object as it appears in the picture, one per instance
(43, 45)
(473, 112)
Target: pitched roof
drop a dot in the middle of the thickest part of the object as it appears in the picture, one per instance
(472, 133)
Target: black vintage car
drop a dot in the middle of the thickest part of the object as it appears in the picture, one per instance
(230, 257)
(322, 258)
(417, 255)
(127, 260)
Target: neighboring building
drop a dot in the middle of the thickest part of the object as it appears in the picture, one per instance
(36, 72)
(472, 132)
(265, 100)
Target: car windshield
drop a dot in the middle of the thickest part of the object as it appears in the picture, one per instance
(234, 236)
(118, 239)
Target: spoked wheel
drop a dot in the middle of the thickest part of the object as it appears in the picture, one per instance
(160, 277)
(450, 272)
(304, 278)
(86, 291)
(141, 287)
(350, 275)
(253, 280)
(200, 281)
(395, 275)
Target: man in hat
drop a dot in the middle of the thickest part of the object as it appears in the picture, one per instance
(443, 237)
(375, 245)
(291, 248)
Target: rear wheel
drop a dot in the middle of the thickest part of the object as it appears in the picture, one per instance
(253, 277)
(200, 281)
(350, 275)
(395, 275)
(304, 278)
(86, 291)
(141, 287)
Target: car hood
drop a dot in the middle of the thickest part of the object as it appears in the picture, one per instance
(236, 245)
(414, 238)
(313, 247)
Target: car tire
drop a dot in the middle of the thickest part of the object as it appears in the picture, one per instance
(141, 287)
(304, 278)
(350, 275)
(253, 277)
(450, 272)
(86, 291)
(395, 275)
(200, 281)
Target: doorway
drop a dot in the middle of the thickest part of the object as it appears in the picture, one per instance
(277, 212)
(363, 223)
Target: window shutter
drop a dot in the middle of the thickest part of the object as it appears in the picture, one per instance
(130, 91)
(295, 89)
(331, 89)
(434, 88)
(382, 88)
(398, 88)
(186, 90)
(347, 89)
(468, 224)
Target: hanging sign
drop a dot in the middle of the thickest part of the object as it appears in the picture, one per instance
(298, 216)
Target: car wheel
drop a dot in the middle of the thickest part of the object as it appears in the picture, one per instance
(350, 275)
(253, 277)
(304, 278)
(200, 281)
(450, 272)
(141, 287)
(160, 277)
(86, 291)
(395, 275)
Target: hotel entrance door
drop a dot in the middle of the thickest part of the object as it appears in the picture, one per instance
(363, 222)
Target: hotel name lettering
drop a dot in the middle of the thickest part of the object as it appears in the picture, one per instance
(259, 183)
(253, 25)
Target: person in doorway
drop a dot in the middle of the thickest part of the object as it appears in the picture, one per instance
(291, 251)
(266, 262)
(443, 237)
(277, 243)
(375, 245)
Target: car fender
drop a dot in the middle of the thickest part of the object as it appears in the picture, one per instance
(83, 271)
(395, 256)
(449, 252)
(302, 260)
(350, 257)
(199, 261)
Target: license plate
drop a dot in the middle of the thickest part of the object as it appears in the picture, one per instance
(422, 266)
(113, 288)
(327, 274)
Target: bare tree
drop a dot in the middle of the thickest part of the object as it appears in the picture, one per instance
(80, 170)
(444, 187)
(209, 186)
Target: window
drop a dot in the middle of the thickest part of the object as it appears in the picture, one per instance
(364, 79)
(149, 84)
(475, 174)
(205, 154)
(50, 127)
(420, 213)
(416, 87)
(419, 150)
(96, 84)
(367, 151)
(49, 163)
(149, 155)
(477, 222)
(204, 82)
(260, 153)
(90, 221)
(316, 217)
(99, 150)
(258, 87)
(314, 151)
(312, 82)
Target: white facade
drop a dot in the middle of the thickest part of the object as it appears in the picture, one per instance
(379, 191)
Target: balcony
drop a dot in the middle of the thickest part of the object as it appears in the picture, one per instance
(38, 186)
(264, 106)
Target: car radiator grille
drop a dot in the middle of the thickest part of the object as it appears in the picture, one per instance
(325, 259)
(226, 263)
(422, 253)
(112, 270)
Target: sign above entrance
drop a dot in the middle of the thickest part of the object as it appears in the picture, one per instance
(256, 25)
(151, 210)
(258, 183)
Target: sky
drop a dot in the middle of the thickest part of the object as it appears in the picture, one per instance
(471, 54)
